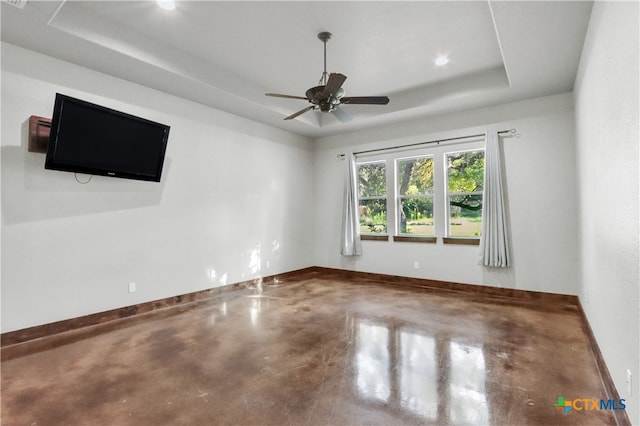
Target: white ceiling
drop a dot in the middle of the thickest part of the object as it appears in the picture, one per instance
(229, 54)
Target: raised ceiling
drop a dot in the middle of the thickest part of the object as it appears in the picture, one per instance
(229, 54)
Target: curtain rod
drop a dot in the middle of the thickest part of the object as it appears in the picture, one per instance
(436, 141)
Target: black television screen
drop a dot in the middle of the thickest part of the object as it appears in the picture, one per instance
(92, 139)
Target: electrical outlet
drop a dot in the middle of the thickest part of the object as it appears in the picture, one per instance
(132, 287)
(268, 264)
(416, 265)
(629, 381)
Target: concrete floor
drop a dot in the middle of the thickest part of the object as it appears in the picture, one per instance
(318, 351)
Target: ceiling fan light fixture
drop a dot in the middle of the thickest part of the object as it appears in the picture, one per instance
(442, 60)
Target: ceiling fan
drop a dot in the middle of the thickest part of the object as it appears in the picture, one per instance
(328, 95)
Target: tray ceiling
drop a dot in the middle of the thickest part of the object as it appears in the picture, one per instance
(228, 54)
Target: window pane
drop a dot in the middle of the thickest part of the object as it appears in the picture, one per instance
(373, 216)
(465, 215)
(415, 176)
(465, 174)
(465, 171)
(416, 216)
(371, 179)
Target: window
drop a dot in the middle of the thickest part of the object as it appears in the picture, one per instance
(465, 177)
(429, 194)
(414, 183)
(372, 197)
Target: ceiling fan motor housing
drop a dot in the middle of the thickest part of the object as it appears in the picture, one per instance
(317, 96)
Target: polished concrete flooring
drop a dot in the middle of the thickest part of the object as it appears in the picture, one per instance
(318, 351)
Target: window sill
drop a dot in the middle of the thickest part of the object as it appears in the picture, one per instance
(374, 237)
(462, 241)
(407, 239)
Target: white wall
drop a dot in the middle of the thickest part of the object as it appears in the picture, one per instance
(607, 112)
(541, 187)
(234, 195)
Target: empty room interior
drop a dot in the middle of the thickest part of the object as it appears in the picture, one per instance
(312, 213)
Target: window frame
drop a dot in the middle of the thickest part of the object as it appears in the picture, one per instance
(440, 198)
(385, 197)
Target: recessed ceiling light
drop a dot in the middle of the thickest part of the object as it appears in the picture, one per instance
(167, 4)
(442, 60)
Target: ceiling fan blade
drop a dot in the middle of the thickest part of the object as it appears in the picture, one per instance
(334, 83)
(341, 115)
(302, 111)
(277, 95)
(365, 100)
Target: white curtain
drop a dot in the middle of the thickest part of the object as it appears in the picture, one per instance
(350, 244)
(494, 244)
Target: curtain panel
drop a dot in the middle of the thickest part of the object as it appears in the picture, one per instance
(350, 244)
(494, 244)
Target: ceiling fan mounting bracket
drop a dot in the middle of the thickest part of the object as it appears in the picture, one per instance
(324, 36)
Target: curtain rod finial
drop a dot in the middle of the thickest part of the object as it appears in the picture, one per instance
(341, 156)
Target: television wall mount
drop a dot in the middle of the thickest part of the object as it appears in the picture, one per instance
(39, 129)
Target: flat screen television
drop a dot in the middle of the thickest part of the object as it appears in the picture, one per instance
(92, 139)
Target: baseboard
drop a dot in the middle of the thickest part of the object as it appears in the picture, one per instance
(622, 418)
(425, 283)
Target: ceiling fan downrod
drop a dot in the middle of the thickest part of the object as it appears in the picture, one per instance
(324, 36)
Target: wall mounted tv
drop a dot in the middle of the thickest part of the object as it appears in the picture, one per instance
(92, 139)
